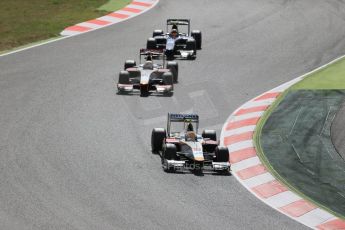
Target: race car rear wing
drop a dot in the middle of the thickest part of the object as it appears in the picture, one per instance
(154, 53)
(177, 22)
(178, 117)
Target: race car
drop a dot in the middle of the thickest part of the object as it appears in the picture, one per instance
(177, 43)
(148, 77)
(182, 148)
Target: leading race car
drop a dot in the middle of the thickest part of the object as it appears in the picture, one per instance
(182, 148)
(148, 77)
(176, 42)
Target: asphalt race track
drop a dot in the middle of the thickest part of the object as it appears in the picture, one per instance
(75, 155)
(338, 133)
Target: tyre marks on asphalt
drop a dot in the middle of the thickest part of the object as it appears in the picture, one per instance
(149, 112)
(201, 100)
(237, 135)
(149, 103)
(133, 9)
(152, 110)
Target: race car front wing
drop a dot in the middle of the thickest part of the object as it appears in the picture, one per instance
(156, 88)
(180, 165)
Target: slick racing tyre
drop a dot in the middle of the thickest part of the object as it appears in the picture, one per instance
(124, 77)
(196, 34)
(191, 45)
(168, 78)
(151, 44)
(156, 33)
(222, 154)
(129, 64)
(211, 134)
(170, 152)
(157, 137)
(173, 67)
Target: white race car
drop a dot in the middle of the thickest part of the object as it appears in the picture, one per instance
(176, 43)
(182, 148)
(148, 77)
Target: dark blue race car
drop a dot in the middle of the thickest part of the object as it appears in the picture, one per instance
(176, 43)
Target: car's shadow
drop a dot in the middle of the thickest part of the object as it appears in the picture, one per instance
(199, 173)
(182, 59)
(144, 95)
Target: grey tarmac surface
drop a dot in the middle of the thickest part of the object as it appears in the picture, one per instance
(75, 155)
(338, 131)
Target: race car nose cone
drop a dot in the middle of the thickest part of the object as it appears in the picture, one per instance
(199, 158)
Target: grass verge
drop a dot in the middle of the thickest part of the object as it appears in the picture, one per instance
(23, 22)
(114, 5)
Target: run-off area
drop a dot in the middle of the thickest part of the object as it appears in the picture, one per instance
(297, 143)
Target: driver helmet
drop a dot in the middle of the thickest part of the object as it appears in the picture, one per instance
(149, 58)
(174, 33)
(174, 27)
(190, 127)
(190, 134)
(148, 65)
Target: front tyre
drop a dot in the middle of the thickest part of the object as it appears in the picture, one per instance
(157, 137)
(169, 153)
(173, 67)
(191, 45)
(222, 154)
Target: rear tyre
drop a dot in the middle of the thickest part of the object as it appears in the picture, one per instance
(222, 154)
(157, 137)
(196, 34)
(157, 33)
(151, 44)
(211, 134)
(173, 67)
(129, 64)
